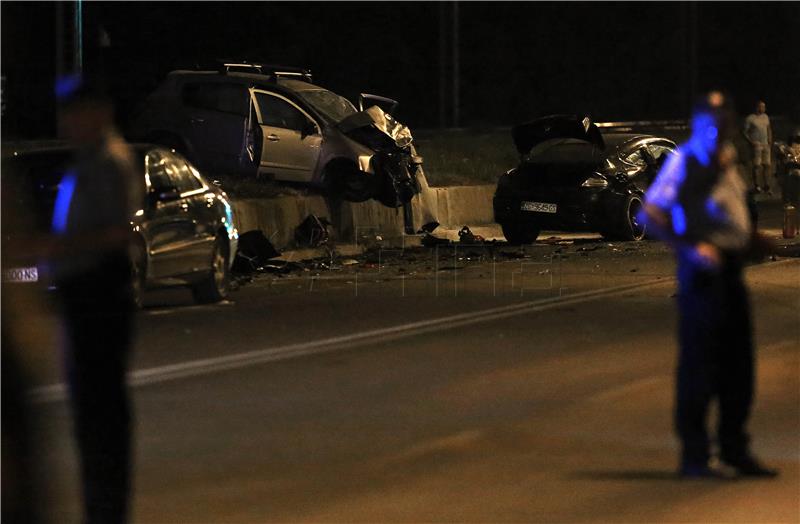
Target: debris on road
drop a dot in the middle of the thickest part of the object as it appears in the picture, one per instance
(312, 232)
(466, 236)
(254, 251)
(429, 240)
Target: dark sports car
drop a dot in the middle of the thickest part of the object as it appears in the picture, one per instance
(573, 178)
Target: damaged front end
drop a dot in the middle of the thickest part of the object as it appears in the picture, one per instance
(394, 162)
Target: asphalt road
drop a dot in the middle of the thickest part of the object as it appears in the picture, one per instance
(467, 385)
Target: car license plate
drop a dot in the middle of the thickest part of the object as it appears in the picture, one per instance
(21, 274)
(538, 207)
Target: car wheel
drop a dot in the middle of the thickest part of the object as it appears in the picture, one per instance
(520, 233)
(631, 228)
(216, 285)
(357, 187)
(351, 185)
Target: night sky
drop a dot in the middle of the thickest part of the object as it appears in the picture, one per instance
(614, 61)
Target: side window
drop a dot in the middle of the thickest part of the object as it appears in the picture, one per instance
(185, 180)
(158, 171)
(276, 112)
(226, 98)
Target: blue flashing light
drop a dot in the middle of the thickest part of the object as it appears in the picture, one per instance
(704, 137)
(63, 201)
(67, 85)
(678, 220)
(714, 210)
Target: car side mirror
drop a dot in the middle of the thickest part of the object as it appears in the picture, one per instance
(309, 128)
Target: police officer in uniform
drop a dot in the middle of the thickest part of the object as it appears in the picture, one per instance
(697, 204)
(91, 226)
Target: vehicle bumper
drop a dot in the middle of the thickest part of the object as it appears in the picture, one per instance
(576, 210)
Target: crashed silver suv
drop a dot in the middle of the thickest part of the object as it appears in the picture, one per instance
(261, 121)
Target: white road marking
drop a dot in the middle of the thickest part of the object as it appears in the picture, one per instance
(194, 368)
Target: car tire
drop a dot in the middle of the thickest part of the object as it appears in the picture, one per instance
(518, 234)
(349, 185)
(630, 228)
(215, 286)
(357, 187)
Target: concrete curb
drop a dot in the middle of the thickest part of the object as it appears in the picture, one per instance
(352, 223)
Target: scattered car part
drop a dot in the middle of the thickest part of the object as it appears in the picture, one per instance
(255, 250)
(312, 232)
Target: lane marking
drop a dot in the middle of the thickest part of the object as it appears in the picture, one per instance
(194, 368)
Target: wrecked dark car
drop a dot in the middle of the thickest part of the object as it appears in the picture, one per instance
(272, 122)
(573, 178)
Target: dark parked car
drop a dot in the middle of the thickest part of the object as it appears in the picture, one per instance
(573, 178)
(261, 120)
(185, 229)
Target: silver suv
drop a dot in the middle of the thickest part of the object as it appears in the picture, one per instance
(274, 123)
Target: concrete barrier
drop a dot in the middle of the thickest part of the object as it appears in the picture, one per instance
(452, 207)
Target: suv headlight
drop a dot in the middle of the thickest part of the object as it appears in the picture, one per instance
(595, 181)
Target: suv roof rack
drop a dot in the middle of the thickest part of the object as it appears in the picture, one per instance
(275, 71)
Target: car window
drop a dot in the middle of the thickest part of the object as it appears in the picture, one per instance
(333, 106)
(276, 112)
(158, 170)
(226, 98)
(185, 180)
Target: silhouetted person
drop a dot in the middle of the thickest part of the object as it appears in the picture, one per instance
(91, 264)
(697, 204)
(758, 132)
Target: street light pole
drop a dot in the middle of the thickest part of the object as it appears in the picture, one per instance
(442, 65)
(456, 67)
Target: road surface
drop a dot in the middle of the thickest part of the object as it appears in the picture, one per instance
(472, 386)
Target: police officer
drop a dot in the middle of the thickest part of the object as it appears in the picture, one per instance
(697, 204)
(90, 256)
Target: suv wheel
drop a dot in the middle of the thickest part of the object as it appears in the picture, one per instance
(216, 285)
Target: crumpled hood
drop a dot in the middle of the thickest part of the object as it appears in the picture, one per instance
(375, 118)
(527, 136)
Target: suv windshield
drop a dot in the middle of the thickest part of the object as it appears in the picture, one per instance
(331, 105)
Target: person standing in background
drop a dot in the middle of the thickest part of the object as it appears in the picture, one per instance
(758, 132)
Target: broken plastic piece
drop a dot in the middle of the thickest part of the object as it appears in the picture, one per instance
(312, 232)
(254, 251)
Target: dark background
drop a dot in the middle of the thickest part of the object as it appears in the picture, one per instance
(614, 61)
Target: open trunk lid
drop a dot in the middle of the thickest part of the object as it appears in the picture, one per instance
(527, 136)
